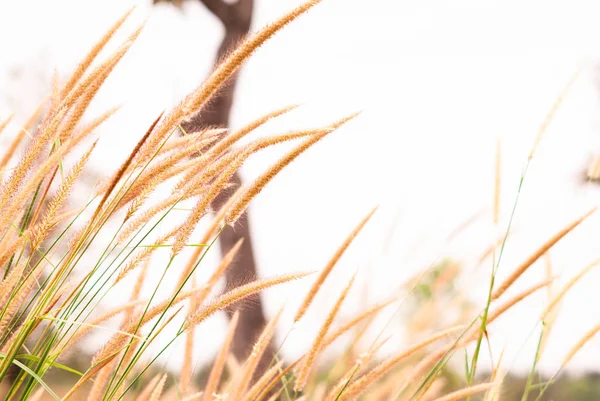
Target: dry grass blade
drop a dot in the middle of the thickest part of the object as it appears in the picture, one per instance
(148, 389)
(4, 123)
(559, 296)
(466, 392)
(119, 174)
(329, 267)
(309, 360)
(219, 363)
(575, 349)
(240, 205)
(262, 382)
(240, 384)
(537, 254)
(360, 385)
(94, 51)
(238, 294)
(155, 396)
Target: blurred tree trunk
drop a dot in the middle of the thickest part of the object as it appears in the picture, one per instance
(236, 18)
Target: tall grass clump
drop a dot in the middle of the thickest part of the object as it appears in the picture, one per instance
(59, 261)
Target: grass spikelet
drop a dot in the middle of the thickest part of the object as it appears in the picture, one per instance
(369, 313)
(238, 208)
(240, 385)
(560, 295)
(217, 274)
(262, 382)
(307, 365)
(119, 174)
(201, 207)
(155, 396)
(237, 294)
(466, 392)
(219, 363)
(360, 385)
(92, 54)
(149, 388)
(41, 230)
(185, 377)
(208, 234)
(575, 349)
(141, 257)
(329, 267)
(360, 362)
(234, 61)
(235, 136)
(550, 116)
(537, 254)
(4, 123)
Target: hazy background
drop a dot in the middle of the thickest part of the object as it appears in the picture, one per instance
(438, 83)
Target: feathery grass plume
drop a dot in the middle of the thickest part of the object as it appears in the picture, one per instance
(194, 140)
(155, 396)
(537, 254)
(369, 313)
(13, 185)
(235, 136)
(201, 208)
(94, 51)
(16, 300)
(550, 116)
(309, 360)
(262, 382)
(24, 130)
(206, 168)
(240, 384)
(330, 265)
(101, 382)
(81, 104)
(8, 284)
(360, 385)
(208, 234)
(89, 86)
(119, 174)
(257, 186)
(217, 274)
(280, 378)
(575, 349)
(219, 363)
(237, 294)
(198, 98)
(41, 230)
(559, 296)
(14, 210)
(148, 389)
(227, 141)
(466, 392)
(4, 123)
(512, 302)
(142, 256)
(185, 377)
(82, 330)
(135, 324)
(234, 60)
(354, 369)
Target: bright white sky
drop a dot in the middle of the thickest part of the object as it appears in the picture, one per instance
(438, 83)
